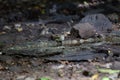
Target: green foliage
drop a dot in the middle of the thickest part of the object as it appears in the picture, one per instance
(44, 78)
(105, 78)
(109, 71)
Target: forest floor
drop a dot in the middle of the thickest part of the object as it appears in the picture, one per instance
(29, 67)
(35, 68)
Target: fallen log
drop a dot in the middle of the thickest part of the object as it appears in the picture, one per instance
(77, 56)
(46, 48)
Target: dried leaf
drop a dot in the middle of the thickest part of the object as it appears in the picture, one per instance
(95, 76)
(19, 29)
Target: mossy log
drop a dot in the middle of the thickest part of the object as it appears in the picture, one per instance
(45, 48)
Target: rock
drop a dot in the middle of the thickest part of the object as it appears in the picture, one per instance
(99, 21)
(56, 67)
(15, 68)
(83, 30)
(7, 28)
(116, 65)
(21, 77)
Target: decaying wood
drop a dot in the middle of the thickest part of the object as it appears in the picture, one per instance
(51, 47)
(46, 48)
(41, 44)
(77, 56)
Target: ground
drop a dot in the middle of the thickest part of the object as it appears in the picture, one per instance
(21, 67)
